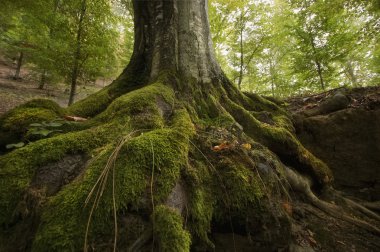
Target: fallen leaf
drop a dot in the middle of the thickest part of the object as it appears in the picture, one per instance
(222, 146)
(287, 207)
(75, 118)
(246, 146)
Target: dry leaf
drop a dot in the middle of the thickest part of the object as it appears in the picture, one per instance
(287, 207)
(222, 146)
(75, 118)
(246, 146)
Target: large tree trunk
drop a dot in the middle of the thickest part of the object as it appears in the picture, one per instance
(173, 36)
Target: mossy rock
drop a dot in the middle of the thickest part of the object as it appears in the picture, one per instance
(14, 124)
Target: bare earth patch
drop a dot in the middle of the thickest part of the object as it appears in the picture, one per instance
(15, 92)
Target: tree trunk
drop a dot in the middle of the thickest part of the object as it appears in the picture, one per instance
(52, 29)
(42, 83)
(241, 58)
(77, 55)
(317, 62)
(320, 75)
(351, 73)
(173, 36)
(19, 64)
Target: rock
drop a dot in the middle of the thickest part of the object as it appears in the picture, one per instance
(337, 102)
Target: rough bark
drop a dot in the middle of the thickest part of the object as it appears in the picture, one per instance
(173, 36)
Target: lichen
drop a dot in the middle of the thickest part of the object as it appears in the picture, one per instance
(168, 230)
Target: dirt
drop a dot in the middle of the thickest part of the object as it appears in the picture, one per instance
(15, 92)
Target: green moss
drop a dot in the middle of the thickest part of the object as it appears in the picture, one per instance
(18, 120)
(44, 103)
(164, 149)
(201, 204)
(280, 139)
(241, 187)
(18, 167)
(168, 230)
(144, 107)
(91, 105)
(15, 123)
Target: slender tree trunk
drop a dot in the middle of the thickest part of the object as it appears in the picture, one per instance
(271, 76)
(351, 73)
(42, 80)
(317, 62)
(51, 33)
(241, 59)
(19, 64)
(77, 55)
(319, 69)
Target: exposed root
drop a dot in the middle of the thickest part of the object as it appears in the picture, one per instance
(360, 207)
(302, 185)
(101, 184)
(375, 206)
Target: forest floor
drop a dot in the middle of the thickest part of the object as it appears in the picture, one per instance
(15, 92)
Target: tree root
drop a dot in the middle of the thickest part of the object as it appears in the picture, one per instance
(354, 205)
(375, 206)
(301, 184)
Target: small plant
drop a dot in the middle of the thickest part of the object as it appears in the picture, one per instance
(15, 145)
(45, 128)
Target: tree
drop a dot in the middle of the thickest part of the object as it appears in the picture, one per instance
(147, 157)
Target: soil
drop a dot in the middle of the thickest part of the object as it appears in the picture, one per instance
(15, 92)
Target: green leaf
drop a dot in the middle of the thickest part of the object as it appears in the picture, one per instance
(16, 145)
(36, 125)
(43, 132)
(54, 124)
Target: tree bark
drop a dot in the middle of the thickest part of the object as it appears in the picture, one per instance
(173, 36)
(77, 55)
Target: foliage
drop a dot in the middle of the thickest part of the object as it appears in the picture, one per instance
(47, 33)
(283, 47)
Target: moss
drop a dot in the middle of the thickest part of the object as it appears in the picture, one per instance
(19, 166)
(92, 105)
(18, 120)
(133, 169)
(201, 204)
(241, 191)
(15, 123)
(168, 230)
(145, 107)
(44, 103)
(280, 139)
